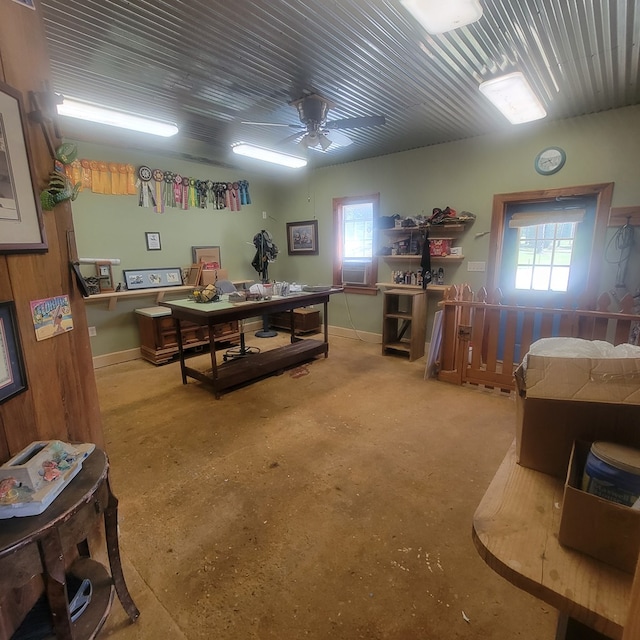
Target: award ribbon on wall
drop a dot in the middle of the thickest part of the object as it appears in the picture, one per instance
(185, 193)
(146, 193)
(169, 198)
(158, 179)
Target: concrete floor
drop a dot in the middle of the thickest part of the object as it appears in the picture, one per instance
(332, 501)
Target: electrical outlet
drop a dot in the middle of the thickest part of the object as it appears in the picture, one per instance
(476, 266)
(92, 332)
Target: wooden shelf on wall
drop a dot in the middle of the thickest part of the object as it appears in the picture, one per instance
(414, 258)
(431, 289)
(158, 294)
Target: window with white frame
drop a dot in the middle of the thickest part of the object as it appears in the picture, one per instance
(545, 250)
(354, 264)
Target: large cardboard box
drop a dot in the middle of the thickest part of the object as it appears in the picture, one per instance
(600, 528)
(560, 400)
(209, 276)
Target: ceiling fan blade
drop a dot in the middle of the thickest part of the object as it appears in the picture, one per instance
(339, 139)
(274, 124)
(356, 123)
(292, 138)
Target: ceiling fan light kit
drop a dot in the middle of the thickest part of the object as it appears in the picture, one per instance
(514, 97)
(315, 131)
(73, 108)
(437, 16)
(268, 155)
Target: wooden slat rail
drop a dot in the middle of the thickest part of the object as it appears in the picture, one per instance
(484, 340)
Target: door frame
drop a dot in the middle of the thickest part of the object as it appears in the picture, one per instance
(603, 193)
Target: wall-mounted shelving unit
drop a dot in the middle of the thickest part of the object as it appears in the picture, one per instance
(406, 245)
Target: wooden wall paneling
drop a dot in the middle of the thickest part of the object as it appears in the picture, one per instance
(61, 401)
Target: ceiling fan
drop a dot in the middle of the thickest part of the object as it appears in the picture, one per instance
(315, 131)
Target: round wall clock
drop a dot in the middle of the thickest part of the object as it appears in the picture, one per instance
(550, 160)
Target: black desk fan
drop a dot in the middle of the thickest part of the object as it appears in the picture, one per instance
(266, 252)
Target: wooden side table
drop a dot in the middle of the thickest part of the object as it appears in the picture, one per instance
(515, 530)
(39, 544)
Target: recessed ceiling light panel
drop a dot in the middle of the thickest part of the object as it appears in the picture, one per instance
(514, 97)
(268, 155)
(440, 16)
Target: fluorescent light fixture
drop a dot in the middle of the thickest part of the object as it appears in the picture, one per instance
(439, 16)
(94, 113)
(514, 97)
(268, 155)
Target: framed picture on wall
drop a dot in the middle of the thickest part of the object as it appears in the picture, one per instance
(153, 241)
(302, 238)
(21, 225)
(13, 379)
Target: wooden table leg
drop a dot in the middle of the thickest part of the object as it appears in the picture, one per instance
(113, 549)
(180, 350)
(325, 320)
(55, 583)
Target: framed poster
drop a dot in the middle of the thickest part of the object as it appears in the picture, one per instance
(13, 379)
(152, 278)
(51, 316)
(302, 238)
(21, 225)
(153, 241)
(210, 256)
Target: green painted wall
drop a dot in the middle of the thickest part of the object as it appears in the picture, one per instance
(109, 226)
(464, 175)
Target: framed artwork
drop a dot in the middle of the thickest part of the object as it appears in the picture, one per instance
(153, 241)
(193, 274)
(21, 224)
(152, 278)
(210, 256)
(105, 277)
(13, 378)
(302, 238)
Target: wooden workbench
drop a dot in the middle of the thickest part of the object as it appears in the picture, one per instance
(243, 370)
(515, 529)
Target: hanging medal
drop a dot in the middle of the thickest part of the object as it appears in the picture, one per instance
(114, 178)
(105, 178)
(227, 199)
(132, 188)
(234, 200)
(158, 179)
(211, 195)
(185, 193)
(144, 179)
(167, 189)
(177, 189)
(244, 192)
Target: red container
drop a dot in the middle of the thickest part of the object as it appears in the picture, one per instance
(439, 246)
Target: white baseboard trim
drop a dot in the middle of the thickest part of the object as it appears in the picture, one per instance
(343, 332)
(134, 354)
(116, 358)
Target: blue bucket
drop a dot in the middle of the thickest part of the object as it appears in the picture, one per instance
(612, 472)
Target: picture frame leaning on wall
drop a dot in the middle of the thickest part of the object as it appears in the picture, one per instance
(21, 222)
(152, 278)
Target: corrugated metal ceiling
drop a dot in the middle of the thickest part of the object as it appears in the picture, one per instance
(209, 65)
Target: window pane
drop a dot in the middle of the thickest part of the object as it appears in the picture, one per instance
(559, 279)
(549, 248)
(523, 277)
(541, 276)
(358, 230)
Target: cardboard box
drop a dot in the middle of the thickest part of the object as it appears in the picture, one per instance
(209, 276)
(600, 528)
(439, 246)
(560, 400)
